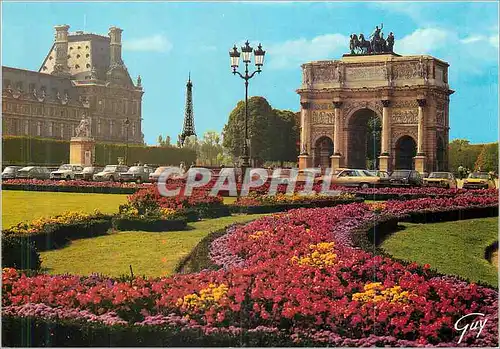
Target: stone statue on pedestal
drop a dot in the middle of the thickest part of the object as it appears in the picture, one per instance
(83, 129)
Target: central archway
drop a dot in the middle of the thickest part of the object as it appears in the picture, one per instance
(364, 139)
(323, 151)
(406, 150)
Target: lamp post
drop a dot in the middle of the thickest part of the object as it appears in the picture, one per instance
(259, 62)
(126, 123)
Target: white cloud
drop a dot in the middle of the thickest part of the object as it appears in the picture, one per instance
(472, 39)
(292, 53)
(154, 43)
(424, 41)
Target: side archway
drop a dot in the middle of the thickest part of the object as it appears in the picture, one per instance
(323, 149)
(406, 150)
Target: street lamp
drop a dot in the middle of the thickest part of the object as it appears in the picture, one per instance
(126, 123)
(246, 51)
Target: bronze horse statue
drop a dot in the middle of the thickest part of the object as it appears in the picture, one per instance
(359, 46)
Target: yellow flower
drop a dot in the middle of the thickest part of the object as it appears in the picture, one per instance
(320, 257)
(376, 292)
(207, 298)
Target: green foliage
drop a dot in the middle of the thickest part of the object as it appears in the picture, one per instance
(273, 133)
(148, 223)
(374, 138)
(72, 333)
(108, 153)
(29, 150)
(18, 150)
(488, 158)
(286, 144)
(55, 236)
(462, 153)
(164, 142)
(210, 148)
(19, 253)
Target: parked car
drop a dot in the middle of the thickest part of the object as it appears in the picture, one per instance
(33, 172)
(10, 172)
(441, 179)
(110, 173)
(405, 178)
(356, 178)
(137, 174)
(153, 177)
(383, 175)
(66, 172)
(479, 180)
(87, 174)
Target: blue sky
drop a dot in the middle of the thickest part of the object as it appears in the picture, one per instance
(163, 42)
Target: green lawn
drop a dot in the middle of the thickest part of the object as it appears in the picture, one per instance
(19, 206)
(452, 247)
(149, 253)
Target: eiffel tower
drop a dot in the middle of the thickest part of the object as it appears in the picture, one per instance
(188, 127)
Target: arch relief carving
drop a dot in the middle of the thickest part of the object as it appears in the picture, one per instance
(318, 132)
(405, 116)
(397, 133)
(350, 107)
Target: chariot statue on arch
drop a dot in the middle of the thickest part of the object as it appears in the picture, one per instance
(377, 43)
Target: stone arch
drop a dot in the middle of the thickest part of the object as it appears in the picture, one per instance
(405, 151)
(323, 149)
(352, 107)
(363, 146)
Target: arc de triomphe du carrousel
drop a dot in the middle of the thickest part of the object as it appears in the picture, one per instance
(374, 103)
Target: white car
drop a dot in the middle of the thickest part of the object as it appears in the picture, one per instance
(66, 172)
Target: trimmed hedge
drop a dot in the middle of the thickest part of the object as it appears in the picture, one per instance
(55, 236)
(212, 211)
(34, 332)
(19, 253)
(148, 224)
(22, 150)
(70, 189)
(286, 207)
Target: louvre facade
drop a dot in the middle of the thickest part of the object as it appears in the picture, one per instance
(82, 74)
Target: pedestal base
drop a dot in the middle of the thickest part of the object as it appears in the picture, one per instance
(81, 151)
(384, 162)
(336, 160)
(305, 161)
(420, 163)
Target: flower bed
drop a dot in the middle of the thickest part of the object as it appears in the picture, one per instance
(198, 205)
(72, 186)
(297, 278)
(53, 232)
(256, 203)
(159, 219)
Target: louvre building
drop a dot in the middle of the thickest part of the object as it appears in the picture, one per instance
(82, 74)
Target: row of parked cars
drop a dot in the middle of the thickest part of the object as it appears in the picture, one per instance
(409, 178)
(343, 177)
(112, 173)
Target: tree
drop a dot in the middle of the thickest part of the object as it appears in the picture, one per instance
(164, 142)
(488, 158)
(209, 148)
(286, 143)
(273, 133)
(462, 153)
